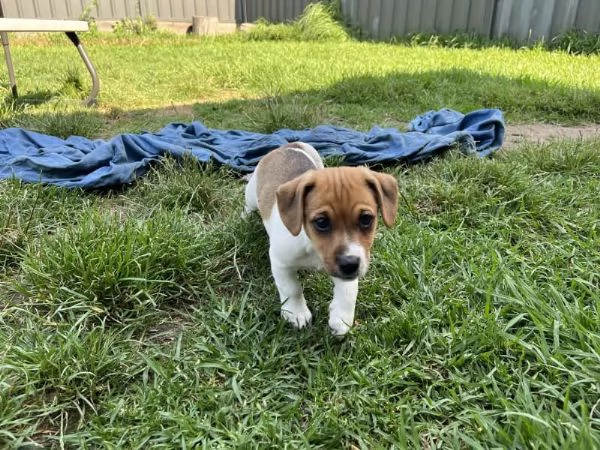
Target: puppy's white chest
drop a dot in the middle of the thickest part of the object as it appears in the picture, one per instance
(289, 250)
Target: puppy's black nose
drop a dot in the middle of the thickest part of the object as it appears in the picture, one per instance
(348, 265)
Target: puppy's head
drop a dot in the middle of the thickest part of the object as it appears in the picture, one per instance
(338, 209)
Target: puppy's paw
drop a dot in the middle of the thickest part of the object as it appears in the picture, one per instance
(246, 212)
(299, 316)
(339, 327)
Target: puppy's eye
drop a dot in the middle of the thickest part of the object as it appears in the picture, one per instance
(322, 224)
(365, 221)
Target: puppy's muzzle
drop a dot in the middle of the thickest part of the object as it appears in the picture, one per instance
(348, 266)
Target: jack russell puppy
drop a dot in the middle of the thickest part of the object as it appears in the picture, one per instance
(318, 217)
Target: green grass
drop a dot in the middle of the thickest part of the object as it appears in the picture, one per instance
(317, 23)
(225, 82)
(146, 317)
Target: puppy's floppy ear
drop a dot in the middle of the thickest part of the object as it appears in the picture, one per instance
(386, 192)
(290, 201)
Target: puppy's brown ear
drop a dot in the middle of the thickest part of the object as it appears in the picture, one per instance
(386, 192)
(290, 201)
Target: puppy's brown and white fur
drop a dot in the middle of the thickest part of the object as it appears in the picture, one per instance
(319, 218)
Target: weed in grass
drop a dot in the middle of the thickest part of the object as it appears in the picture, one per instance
(120, 266)
(276, 112)
(316, 23)
(10, 109)
(72, 84)
(265, 31)
(28, 211)
(576, 42)
(205, 190)
(455, 40)
(137, 26)
(62, 124)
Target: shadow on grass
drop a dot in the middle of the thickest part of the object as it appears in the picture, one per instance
(357, 102)
(34, 98)
(390, 101)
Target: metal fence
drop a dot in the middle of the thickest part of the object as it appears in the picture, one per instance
(68, 9)
(380, 19)
(274, 11)
(537, 19)
(519, 19)
(226, 11)
(167, 10)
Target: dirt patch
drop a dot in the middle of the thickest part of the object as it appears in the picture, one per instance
(542, 133)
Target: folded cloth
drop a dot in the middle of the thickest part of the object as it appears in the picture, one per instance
(79, 162)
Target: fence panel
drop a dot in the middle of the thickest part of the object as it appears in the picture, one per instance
(273, 10)
(43, 9)
(587, 16)
(184, 10)
(383, 19)
(544, 19)
(116, 9)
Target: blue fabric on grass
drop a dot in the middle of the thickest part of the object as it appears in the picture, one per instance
(86, 163)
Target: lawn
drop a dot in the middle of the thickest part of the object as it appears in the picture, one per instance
(145, 316)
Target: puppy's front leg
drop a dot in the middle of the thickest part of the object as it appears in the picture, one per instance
(293, 303)
(341, 308)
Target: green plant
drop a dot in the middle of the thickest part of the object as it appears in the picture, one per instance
(121, 266)
(86, 14)
(62, 124)
(136, 26)
(576, 42)
(316, 23)
(273, 113)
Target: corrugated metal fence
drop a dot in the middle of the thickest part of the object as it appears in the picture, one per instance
(380, 19)
(168, 10)
(274, 11)
(536, 19)
(520, 19)
(183, 10)
(227, 11)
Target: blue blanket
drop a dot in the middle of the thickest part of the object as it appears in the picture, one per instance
(86, 163)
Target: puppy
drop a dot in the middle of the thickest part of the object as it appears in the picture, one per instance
(318, 218)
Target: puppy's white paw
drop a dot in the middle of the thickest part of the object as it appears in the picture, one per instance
(298, 315)
(338, 326)
(247, 212)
